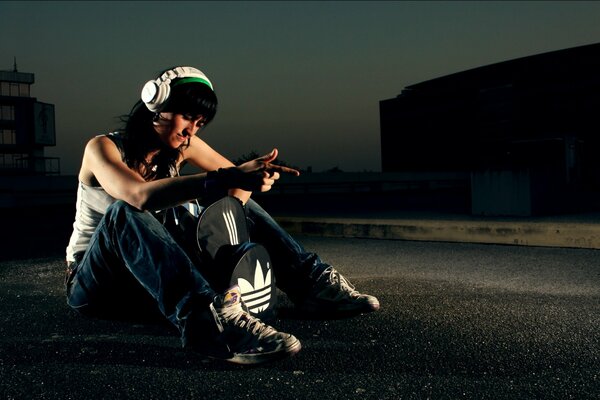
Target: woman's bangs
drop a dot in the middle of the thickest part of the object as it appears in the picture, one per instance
(192, 98)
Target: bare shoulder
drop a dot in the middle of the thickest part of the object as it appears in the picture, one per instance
(102, 147)
(197, 148)
(196, 144)
(100, 143)
(99, 150)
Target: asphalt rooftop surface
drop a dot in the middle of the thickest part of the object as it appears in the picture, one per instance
(458, 320)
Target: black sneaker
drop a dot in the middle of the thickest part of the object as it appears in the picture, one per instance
(332, 293)
(250, 341)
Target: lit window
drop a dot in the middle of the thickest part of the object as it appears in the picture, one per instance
(7, 113)
(20, 161)
(11, 161)
(24, 90)
(8, 136)
(13, 89)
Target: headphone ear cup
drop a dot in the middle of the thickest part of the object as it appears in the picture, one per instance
(162, 95)
(154, 94)
(149, 91)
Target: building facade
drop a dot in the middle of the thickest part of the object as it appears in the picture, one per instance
(27, 127)
(526, 129)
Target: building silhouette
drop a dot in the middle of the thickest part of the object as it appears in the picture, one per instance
(26, 128)
(526, 131)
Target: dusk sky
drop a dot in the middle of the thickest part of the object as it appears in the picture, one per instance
(306, 77)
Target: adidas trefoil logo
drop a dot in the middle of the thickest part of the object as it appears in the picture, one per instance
(258, 296)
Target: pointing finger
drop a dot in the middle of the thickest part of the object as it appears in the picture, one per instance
(281, 168)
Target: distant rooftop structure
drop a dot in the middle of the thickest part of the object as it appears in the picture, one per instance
(536, 115)
(26, 127)
(17, 77)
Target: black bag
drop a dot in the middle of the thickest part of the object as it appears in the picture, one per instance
(221, 242)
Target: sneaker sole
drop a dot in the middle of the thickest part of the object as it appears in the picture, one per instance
(260, 358)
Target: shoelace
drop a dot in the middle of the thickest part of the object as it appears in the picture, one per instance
(238, 317)
(340, 281)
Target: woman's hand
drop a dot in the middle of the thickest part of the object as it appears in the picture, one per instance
(256, 175)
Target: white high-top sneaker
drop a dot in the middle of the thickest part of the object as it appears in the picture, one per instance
(249, 339)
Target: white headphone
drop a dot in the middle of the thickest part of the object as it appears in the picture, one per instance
(155, 93)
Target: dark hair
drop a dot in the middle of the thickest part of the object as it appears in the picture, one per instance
(139, 136)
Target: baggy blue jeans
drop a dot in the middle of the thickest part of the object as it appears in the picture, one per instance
(133, 264)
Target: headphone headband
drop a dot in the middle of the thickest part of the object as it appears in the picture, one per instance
(193, 79)
(156, 92)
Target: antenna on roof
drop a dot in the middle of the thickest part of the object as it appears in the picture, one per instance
(15, 65)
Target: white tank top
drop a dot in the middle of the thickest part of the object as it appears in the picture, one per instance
(91, 206)
(92, 202)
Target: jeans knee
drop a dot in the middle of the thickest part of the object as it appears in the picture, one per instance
(118, 207)
(121, 209)
(121, 212)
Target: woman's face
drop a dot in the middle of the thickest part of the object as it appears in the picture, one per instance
(175, 129)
